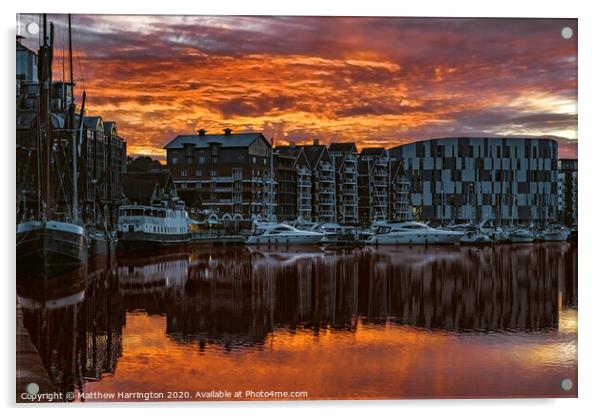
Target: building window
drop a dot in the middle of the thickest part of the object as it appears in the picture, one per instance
(202, 160)
(174, 160)
(199, 172)
(184, 172)
(213, 172)
(237, 173)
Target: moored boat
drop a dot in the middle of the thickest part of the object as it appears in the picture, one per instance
(412, 232)
(282, 234)
(162, 224)
(520, 235)
(50, 247)
(556, 232)
(475, 237)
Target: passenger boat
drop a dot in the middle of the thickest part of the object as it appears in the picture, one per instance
(162, 224)
(282, 234)
(413, 233)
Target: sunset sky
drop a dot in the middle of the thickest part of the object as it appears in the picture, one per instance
(376, 81)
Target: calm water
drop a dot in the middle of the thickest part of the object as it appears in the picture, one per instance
(407, 322)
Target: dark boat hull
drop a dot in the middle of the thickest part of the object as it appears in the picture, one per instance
(49, 252)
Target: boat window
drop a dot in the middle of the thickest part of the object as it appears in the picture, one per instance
(383, 230)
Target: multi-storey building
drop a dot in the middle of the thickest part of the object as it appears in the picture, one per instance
(373, 185)
(104, 156)
(229, 174)
(567, 191)
(286, 186)
(511, 180)
(323, 182)
(399, 200)
(345, 162)
(303, 180)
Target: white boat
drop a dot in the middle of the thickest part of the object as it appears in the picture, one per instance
(141, 226)
(520, 235)
(412, 232)
(475, 237)
(282, 234)
(556, 232)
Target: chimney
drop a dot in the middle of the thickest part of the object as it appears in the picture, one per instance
(201, 132)
(228, 132)
(316, 142)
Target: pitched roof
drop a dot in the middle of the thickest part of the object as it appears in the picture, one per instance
(372, 151)
(91, 122)
(230, 140)
(295, 151)
(109, 126)
(342, 147)
(314, 153)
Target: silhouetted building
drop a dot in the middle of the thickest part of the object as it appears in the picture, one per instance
(399, 205)
(285, 171)
(346, 177)
(303, 180)
(567, 191)
(323, 182)
(373, 185)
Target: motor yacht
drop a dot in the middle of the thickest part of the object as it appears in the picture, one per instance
(413, 233)
(520, 235)
(282, 234)
(556, 232)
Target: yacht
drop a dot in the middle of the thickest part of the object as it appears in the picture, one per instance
(161, 224)
(556, 232)
(520, 235)
(413, 233)
(282, 234)
(475, 237)
(336, 235)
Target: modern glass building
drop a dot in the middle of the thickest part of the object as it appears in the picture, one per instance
(460, 179)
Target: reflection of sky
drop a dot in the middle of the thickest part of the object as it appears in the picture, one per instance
(374, 361)
(377, 81)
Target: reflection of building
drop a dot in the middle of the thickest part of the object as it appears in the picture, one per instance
(345, 161)
(235, 297)
(567, 191)
(78, 337)
(468, 179)
(228, 173)
(373, 185)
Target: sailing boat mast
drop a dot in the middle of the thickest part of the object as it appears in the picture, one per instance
(271, 180)
(45, 80)
(74, 202)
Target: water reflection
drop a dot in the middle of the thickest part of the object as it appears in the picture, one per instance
(364, 304)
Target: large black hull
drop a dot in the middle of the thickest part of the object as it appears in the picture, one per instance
(44, 251)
